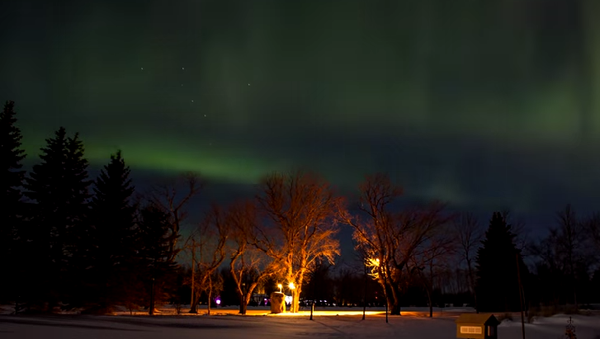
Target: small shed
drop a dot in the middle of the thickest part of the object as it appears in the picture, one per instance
(476, 326)
(277, 302)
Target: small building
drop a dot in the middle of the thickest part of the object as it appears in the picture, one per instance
(277, 302)
(477, 326)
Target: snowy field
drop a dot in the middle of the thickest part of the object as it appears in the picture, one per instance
(259, 324)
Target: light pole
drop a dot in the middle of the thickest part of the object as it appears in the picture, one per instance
(244, 301)
(292, 305)
(280, 287)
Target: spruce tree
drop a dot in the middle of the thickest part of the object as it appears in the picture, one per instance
(112, 235)
(11, 180)
(497, 276)
(58, 188)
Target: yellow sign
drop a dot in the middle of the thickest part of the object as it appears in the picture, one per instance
(470, 329)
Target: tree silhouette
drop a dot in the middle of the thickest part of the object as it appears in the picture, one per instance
(112, 233)
(248, 266)
(497, 275)
(469, 235)
(207, 246)
(173, 200)
(11, 180)
(155, 267)
(58, 188)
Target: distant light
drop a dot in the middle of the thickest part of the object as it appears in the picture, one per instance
(218, 301)
(291, 286)
(280, 287)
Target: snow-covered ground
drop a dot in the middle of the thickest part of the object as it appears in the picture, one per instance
(260, 324)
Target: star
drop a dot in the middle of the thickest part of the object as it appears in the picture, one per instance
(183, 68)
(205, 115)
(192, 100)
(248, 84)
(142, 68)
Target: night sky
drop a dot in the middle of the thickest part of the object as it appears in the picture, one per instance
(484, 104)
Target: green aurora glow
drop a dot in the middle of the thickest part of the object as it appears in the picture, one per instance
(490, 103)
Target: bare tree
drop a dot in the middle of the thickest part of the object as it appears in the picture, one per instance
(469, 234)
(390, 239)
(248, 266)
(300, 225)
(173, 199)
(432, 258)
(569, 238)
(592, 228)
(208, 250)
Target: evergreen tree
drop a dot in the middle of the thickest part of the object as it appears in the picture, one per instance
(58, 188)
(112, 235)
(497, 275)
(11, 179)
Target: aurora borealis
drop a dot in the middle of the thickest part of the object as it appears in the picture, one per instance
(484, 104)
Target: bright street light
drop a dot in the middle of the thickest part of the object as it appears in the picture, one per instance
(291, 286)
(280, 287)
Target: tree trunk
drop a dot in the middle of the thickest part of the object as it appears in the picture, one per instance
(393, 300)
(243, 307)
(430, 304)
(430, 290)
(472, 283)
(193, 301)
(243, 302)
(295, 300)
(209, 299)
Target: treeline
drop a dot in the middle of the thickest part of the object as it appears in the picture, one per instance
(71, 241)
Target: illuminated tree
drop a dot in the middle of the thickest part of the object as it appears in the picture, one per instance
(391, 238)
(248, 266)
(299, 212)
